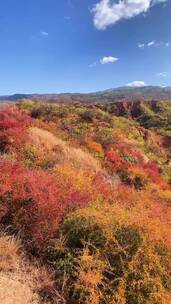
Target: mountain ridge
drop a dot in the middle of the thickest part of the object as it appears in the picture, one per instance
(109, 95)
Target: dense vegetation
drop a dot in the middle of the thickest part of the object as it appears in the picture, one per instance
(87, 190)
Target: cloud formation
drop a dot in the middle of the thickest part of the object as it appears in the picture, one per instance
(107, 12)
(45, 34)
(136, 84)
(154, 44)
(163, 74)
(108, 59)
(141, 45)
(151, 43)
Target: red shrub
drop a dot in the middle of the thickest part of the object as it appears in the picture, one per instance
(119, 164)
(29, 201)
(153, 173)
(116, 161)
(34, 202)
(152, 169)
(13, 125)
(77, 199)
(104, 186)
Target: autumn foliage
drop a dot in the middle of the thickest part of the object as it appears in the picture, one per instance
(89, 195)
(30, 201)
(13, 125)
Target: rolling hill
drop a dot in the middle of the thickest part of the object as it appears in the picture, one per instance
(111, 95)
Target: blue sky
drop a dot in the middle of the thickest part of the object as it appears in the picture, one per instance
(81, 46)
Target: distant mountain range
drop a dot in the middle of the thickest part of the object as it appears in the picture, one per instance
(111, 95)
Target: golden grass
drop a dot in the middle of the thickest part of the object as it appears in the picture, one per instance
(16, 285)
(64, 154)
(9, 257)
(21, 282)
(16, 288)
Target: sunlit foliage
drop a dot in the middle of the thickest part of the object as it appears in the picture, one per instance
(89, 194)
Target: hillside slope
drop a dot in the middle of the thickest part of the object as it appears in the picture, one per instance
(87, 188)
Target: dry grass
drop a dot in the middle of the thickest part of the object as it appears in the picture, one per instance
(21, 282)
(16, 285)
(65, 155)
(9, 254)
(15, 288)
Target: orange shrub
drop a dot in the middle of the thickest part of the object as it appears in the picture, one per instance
(95, 147)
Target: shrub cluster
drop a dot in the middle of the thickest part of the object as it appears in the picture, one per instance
(13, 128)
(102, 225)
(101, 261)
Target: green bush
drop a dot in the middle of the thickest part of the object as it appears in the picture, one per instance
(82, 231)
(113, 265)
(30, 155)
(88, 115)
(104, 136)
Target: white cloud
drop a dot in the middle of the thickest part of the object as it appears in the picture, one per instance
(163, 74)
(151, 43)
(136, 84)
(107, 13)
(45, 34)
(108, 59)
(154, 44)
(141, 45)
